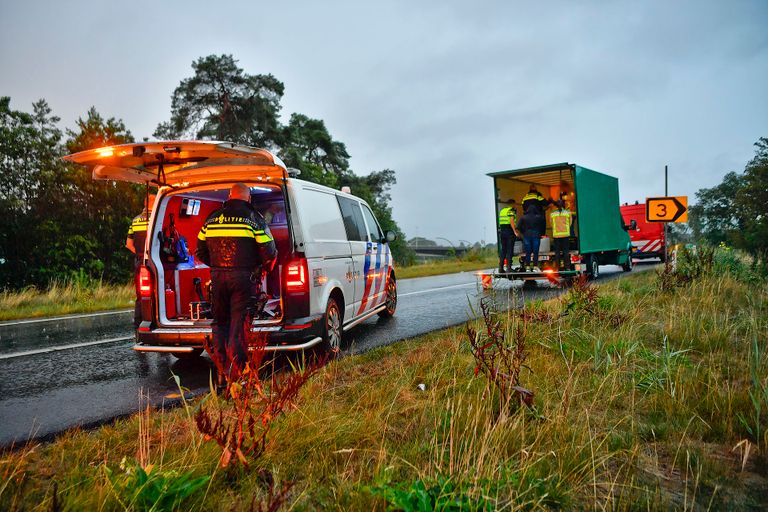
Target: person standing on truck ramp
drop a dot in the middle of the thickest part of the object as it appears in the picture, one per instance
(137, 237)
(507, 234)
(532, 226)
(236, 243)
(534, 198)
(561, 232)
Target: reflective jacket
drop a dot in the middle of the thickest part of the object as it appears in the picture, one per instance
(507, 216)
(137, 232)
(536, 199)
(235, 236)
(561, 223)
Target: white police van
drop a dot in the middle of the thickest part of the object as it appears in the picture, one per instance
(334, 267)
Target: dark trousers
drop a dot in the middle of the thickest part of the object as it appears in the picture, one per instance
(230, 292)
(560, 248)
(507, 237)
(531, 247)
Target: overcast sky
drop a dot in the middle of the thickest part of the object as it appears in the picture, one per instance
(440, 91)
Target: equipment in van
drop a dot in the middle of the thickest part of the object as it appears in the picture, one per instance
(173, 246)
(201, 308)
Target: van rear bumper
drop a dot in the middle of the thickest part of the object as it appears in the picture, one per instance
(298, 334)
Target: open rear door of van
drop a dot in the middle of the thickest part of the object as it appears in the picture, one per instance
(178, 163)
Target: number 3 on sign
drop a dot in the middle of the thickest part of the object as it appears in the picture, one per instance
(661, 210)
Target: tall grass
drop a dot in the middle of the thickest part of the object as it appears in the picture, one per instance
(656, 411)
(64, 297)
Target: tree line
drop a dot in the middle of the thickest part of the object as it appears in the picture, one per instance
(61, 224)
(735, 212)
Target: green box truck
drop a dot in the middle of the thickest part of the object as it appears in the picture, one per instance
(599, 234)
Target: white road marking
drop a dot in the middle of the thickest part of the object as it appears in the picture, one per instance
(65, 317)
(436, 289)
(63, 347)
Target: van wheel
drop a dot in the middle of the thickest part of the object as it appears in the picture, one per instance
(332, 327)
(390, 301)
(627, 267)
(594, 267)
(187, 356)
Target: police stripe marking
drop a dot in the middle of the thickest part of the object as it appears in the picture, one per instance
(366, 275)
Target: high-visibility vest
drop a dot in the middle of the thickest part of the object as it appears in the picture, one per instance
(561, 223)
(507, 216)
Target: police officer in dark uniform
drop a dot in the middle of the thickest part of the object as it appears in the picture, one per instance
(236, 243)
(137, 237)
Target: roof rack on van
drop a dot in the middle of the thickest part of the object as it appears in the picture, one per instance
(293, 172)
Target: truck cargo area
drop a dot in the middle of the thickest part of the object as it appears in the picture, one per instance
(550, 184)
(183, 283)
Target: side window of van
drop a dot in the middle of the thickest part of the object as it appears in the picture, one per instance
(323, 212)
(353, 219)
(373, 227)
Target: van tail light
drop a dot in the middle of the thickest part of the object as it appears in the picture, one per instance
(296, 276)
(145, 282)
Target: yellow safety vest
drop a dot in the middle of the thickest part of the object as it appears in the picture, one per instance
(507, 216)
(561, 223)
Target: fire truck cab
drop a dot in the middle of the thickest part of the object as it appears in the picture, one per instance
(647, 237)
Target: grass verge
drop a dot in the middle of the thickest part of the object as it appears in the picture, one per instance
(450, 266)
(643, 400)
(64, 299)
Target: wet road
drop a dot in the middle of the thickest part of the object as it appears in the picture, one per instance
(81, 371)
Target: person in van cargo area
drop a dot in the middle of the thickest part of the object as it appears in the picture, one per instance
(534, 198)
(532, 226)
(234, 241)
(507, 233)
(137, 236)
(561, 232)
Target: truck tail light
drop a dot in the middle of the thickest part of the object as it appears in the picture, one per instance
(575, 258)
(296, 276)
(145, 282)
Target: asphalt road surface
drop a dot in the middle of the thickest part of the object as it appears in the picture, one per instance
(80, 370)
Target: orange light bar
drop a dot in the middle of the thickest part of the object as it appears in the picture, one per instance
(105, 152)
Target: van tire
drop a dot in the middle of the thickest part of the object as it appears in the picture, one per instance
(390, 299)
(332, 326)
(593, 271)
(188, 356)
(627, 267)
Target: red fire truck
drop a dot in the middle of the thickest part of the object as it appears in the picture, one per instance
(648, 238)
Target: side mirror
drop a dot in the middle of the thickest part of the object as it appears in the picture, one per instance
(633, 225)
(390, 236)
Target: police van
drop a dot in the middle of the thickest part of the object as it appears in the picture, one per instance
(334, 265)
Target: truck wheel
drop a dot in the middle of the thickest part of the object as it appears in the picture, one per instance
(332, 326)
(594, 267)
(187, 356)
(627, 267)
(390, 300)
